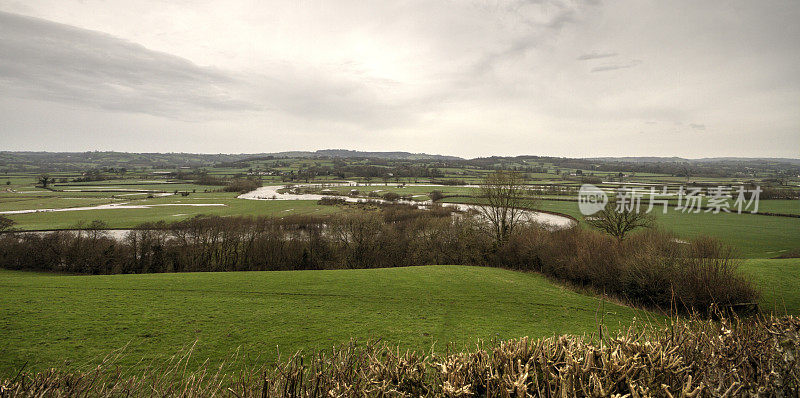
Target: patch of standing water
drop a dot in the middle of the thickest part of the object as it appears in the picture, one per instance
(271, 193)
(111, 206)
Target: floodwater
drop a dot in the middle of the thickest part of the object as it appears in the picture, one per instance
(110, 206)
(271, 193)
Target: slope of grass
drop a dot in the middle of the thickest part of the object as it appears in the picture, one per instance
(779, 281)
(46, 319)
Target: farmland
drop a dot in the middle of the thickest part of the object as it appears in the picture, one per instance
(48, 319)
(164, 209)
(75, 320)
(754, 236)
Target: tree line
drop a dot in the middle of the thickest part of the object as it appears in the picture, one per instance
(650, 268)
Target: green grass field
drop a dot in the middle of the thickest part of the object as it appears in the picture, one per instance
(753, 236)
(127, 218)
(779, 281)
(46, 319)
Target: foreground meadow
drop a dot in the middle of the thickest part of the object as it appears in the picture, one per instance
(47, 319)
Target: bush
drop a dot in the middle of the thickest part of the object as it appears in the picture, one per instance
(391, 196)
(330, 201)
(591, 180)
(242, 185)
(207, 179)
(777, 193)
(6, 224)
(449, 182)
(651, 268)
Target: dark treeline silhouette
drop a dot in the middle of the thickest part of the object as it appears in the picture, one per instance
(650, 268)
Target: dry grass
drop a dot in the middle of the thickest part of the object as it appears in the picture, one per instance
(694, 358)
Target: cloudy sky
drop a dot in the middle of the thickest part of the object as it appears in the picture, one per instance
(468, 78)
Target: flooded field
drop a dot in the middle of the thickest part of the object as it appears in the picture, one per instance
(273, 192)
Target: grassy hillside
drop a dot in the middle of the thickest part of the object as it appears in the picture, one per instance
(779, 281)
(46, 319)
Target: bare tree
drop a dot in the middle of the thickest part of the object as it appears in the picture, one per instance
(506, 201)
(618, 222)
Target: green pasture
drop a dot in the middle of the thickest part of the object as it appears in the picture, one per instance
(170, 208)
(779, 282)
(48, 320)
(752, 235)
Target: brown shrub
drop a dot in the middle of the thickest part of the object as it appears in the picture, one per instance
(691, 358)
(331, 201)
(242, 185)
(391, 196)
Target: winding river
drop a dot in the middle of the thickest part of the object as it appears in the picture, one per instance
(272, 193)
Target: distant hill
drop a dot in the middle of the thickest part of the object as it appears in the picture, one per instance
(735, 159)
(653, 159)
(80, 161)
(638, 159)
(346, 153)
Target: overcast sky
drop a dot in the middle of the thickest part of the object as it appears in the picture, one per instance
(467, 78)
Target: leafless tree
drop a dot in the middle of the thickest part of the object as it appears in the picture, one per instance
(506, 200)
(619, 222)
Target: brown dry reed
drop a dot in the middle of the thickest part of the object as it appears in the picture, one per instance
(732, 357)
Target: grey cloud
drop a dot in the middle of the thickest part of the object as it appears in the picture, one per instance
(595, 55)
(311, 94)
(610, 67)
(56, 62)
(536, 31)
(49, 61)
(441, 76)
